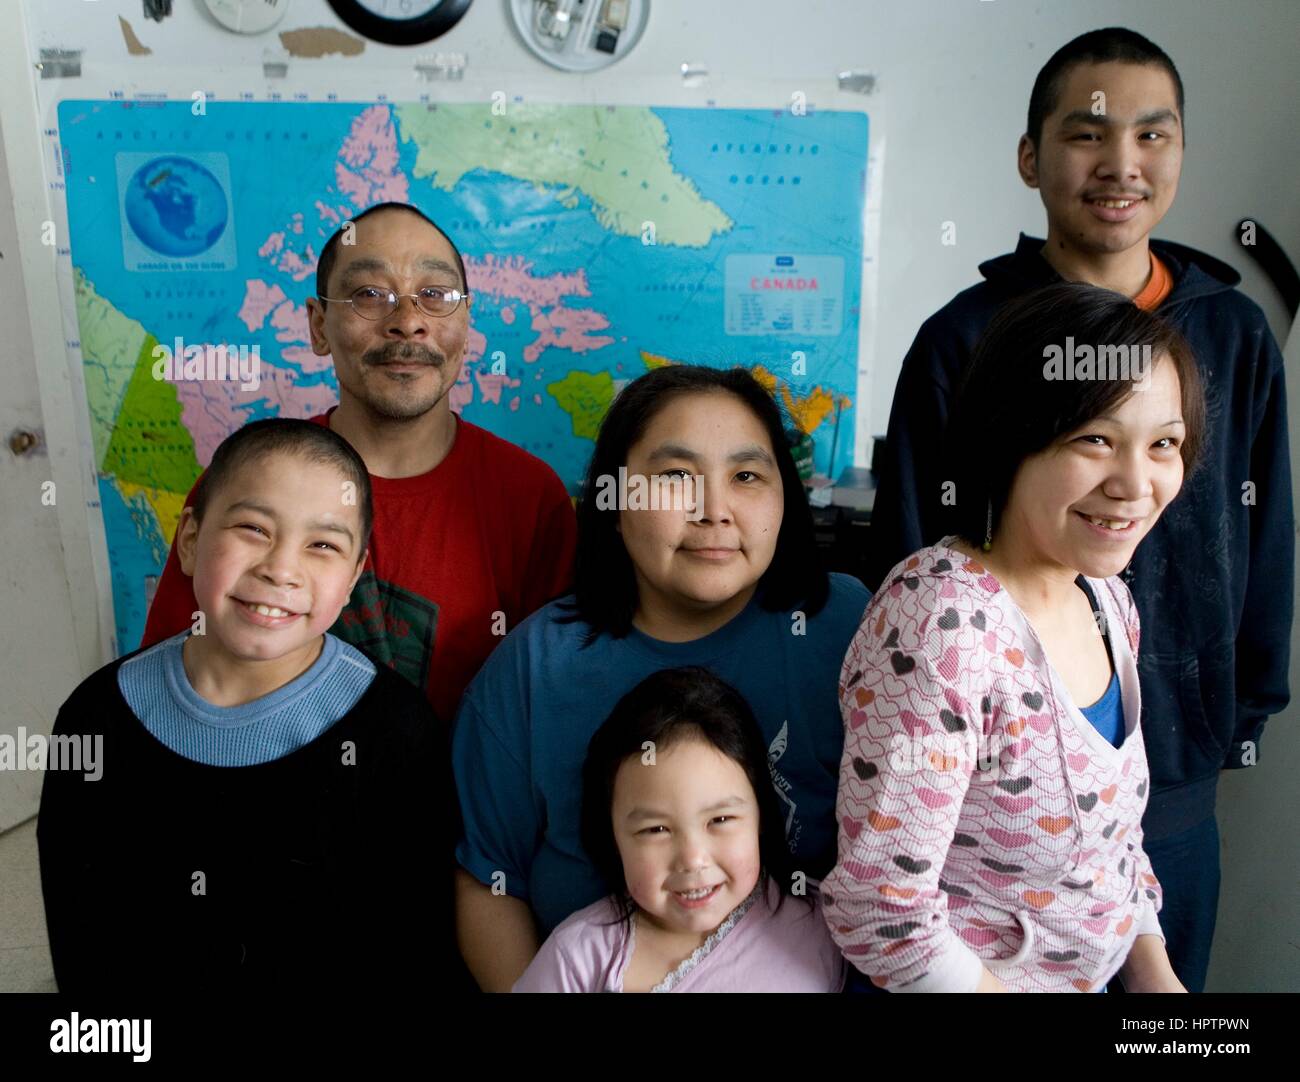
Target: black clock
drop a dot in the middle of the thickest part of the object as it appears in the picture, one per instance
(400, 22)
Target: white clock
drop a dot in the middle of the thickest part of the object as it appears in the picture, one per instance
(247, 16)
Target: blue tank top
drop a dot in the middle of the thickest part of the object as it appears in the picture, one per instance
(1106, 715)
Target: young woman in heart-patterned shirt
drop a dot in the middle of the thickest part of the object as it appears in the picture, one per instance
(994, 777)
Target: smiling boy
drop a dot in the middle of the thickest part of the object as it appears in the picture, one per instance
(1103, 146)
(275, 809)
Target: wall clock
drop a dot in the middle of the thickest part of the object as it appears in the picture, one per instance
(247, 16)
(400, 22)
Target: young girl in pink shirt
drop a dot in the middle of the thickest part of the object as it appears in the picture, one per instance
(680, 818)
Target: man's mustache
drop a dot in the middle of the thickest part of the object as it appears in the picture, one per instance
(399, 353)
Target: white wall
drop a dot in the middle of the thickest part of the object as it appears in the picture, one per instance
(954, 83)
(1257, 946)
(48, 641)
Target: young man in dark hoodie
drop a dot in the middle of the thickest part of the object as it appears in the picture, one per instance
(1213, 580)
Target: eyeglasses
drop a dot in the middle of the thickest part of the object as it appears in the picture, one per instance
(371, 302)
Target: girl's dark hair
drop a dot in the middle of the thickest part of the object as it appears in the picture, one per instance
(306, 439)
(605, 589)
(1007, 407)
(667, 708)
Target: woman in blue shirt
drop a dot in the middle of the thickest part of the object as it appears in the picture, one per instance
(730, 580)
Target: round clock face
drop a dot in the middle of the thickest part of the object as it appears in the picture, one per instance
(247, 16)
(400, 22)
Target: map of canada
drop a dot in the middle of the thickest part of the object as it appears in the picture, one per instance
(599, 241)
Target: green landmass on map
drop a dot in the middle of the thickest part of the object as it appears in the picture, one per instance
(150, 446)
(112, 347)
(617, 156)
(585, 397)
(140, 445)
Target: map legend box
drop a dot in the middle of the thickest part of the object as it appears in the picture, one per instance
(785, 294)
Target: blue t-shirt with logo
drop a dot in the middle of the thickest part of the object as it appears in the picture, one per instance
(522, 730)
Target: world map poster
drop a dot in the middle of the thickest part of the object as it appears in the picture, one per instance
(599, 241)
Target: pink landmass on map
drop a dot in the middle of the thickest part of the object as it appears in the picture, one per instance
(475, 345)
(567, 328)
(512, 278)
(327, 214)
(282, 389)
(210, 412)
(272, 245)
(462, 391)
(291, 323)
(305, 359)
(212, 409)
(259, 299)
(490, 386)
(297, 223)
(296, 266)
(367, 170)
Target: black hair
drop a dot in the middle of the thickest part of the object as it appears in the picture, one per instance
(328, 255)
(306, 439)
(666, 708)
(1114, 43)
(1009, 408)
(605, 586)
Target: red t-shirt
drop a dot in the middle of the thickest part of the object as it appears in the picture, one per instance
(489, 529)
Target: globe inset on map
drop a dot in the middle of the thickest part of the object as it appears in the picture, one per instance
(176, 206)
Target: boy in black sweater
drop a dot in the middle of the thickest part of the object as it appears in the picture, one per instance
(275, 811)
(1213, 579)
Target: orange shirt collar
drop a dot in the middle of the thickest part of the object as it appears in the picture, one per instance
(1159, 286)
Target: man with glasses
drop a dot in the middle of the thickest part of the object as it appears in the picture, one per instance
(471, 533)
